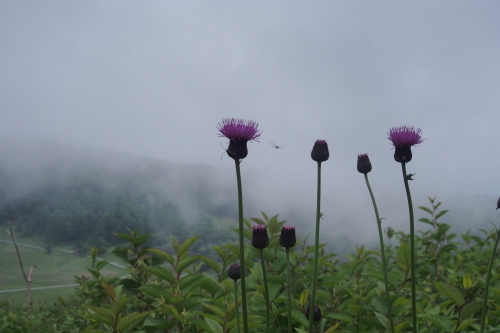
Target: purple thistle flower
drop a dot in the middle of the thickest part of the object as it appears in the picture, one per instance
(403, 138)
(364, 164)
(239, 129)
(287, 237)
(260, 239)
(234, 271)
(239, 132)
(320, 151)
(498, 203)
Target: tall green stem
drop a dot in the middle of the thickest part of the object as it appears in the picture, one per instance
(236, 305)
(268, 310)
(384, 264)
(289, 289)
(488, 278)
(412, 250)
(316, 252)
(242, 248)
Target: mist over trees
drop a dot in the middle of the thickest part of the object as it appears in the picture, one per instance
(71, 195)
(82, 196)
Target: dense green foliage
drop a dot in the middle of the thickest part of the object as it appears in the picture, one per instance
(179, 290)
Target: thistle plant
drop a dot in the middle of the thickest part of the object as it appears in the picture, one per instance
(364, 166)
(234, 273)
(239, 132)
(319, 154)
(288, 240)
(260, 240)
(403, 138)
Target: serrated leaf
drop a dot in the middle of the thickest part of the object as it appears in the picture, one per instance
(212, 264)
(130, 320)
(118, 306)
(214, 326)
(174, 242)
(186, 262)
(425, 209)
(160, 272)
(109, 290)
(186, 245)
(102, 312)
(163, 255)
(451, 292)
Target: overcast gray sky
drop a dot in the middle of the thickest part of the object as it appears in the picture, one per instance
(154, 78)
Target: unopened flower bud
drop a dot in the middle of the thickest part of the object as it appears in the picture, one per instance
(260, 239)
(498, 203)
(287, 237)
(320, 151)
(364, 165)
(316, 315)
(234, 271)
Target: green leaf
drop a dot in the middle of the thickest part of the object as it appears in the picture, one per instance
(101, 264)
(186, 262)
(215, 309)
(186, 245)
(160, 272)
(425, 209)
(102, 312)
(174, 242)
(439, 321)
(130, 320)
(212, 264)
(214, 326)
(451, 292)
(441, 213)
(404, 255)
(382, 319)
(163, 255)
(471, 308)
(118, 306)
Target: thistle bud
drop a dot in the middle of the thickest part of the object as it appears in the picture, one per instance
(234, 271)
(498, 203)
(239, 132)
(260, 239)
(316, 315)
(287, 237)
(364, 165)
(320, 151)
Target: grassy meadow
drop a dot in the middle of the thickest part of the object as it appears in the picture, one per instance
(56, 268)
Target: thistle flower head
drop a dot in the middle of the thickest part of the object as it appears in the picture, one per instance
(239, 132)
(364, 165)
(320, 151)
(239, 129)
(316, 315)
(234, 271)
(287, 237)
(403, 138)
(260, 239)
(498, 203)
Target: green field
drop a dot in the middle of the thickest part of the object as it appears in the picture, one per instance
(56, 268)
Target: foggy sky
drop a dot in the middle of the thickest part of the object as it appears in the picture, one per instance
(154, 78)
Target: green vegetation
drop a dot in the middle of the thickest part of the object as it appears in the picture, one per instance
(179, 290)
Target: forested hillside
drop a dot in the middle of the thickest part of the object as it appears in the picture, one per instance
(81, 196)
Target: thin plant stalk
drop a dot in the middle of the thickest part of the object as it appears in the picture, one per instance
(488, 279)
(384, 264)
(289, 290)
(412, 250)
(266, 290)
(316, 252)
(242, 247)
(236, 305)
